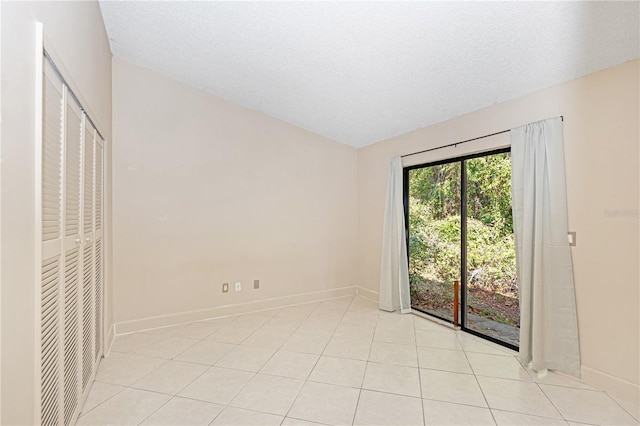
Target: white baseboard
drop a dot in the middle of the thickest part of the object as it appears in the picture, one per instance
(621, 388)
(142, 324)
(369, 294)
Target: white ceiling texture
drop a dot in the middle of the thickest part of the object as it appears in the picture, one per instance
(361, 72)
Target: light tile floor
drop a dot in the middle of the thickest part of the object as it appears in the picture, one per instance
(337, 362)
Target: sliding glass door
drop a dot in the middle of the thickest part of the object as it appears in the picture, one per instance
(460, 227)
(434, 237)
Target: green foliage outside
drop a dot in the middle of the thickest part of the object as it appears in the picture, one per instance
(434, 221)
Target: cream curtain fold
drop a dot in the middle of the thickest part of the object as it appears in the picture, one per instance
(394, 269)
(548, 319)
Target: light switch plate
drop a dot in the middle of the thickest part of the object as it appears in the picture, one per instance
(256, 284)
(572, 238)
(238, 286)
(225, 287)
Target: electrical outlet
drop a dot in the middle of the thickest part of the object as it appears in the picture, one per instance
(238, 286)
(256, 284)
(225, 287)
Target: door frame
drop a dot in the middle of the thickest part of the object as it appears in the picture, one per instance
(463, 232)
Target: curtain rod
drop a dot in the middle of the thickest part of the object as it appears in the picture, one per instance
(461, 142)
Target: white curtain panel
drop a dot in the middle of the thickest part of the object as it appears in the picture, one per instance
(548, 320)
(394, 269)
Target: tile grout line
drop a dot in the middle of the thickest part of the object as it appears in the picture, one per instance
(355, 410)
(241, 408)
(314, 366)
(366, 366)
(176, 394)
(154, 411)
(188, 384)
(112, 396)
(477, 381)
(170, 396)
(306, 380)
(415, 335)
(463, 404)
(144, 390)
(204, 363)
(254, 373)
(535, 415)
(635, 416)
(368, 390)
(216, 416)
(225, 406)
(552, 403)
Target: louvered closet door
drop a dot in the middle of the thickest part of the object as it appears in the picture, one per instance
(52, 266)
(88, 254)
(71, 262)
(98, 247)
(72, 259)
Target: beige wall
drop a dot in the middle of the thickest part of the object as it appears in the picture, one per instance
(75, 33)
(208, 192)
(601, 119)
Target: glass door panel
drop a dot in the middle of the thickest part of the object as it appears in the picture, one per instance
(434, 237)
(492, 286)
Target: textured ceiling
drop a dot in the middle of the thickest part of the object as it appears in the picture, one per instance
(361, 72)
